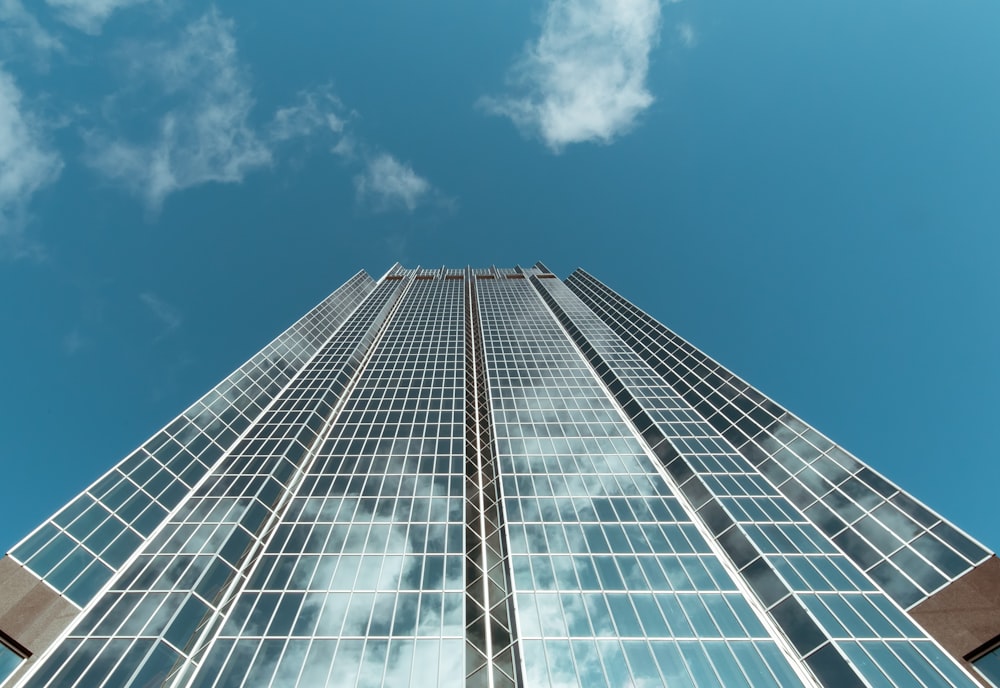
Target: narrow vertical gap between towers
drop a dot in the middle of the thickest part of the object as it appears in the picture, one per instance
(491, 650)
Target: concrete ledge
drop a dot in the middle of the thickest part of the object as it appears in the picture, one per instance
(31, 613)
(965, 615)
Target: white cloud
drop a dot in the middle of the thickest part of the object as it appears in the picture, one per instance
(26, 165)
(166, 314)
(22, 35)
(88, 15)
(205, 138)
(207, 134)
(584, 79)
(388, 183)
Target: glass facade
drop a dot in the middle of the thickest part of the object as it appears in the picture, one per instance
(9, 661)
(79, 549)
(490, 477)
(989, 666)
(905, 547)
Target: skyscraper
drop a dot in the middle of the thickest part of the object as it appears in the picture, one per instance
(491, 477)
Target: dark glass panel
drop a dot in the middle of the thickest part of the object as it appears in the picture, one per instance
(799, 628)
(715, 517)
(765, 582)
(832, 669)
(738, 547)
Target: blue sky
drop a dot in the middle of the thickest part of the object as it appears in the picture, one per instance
(807, 191)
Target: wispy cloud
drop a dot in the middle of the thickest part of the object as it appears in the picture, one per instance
(389, 184)
(22, 36)
(347, 147)
(27, 164)
(207, 133)
(166, 314)
(74, 342)
(316, 110)
(687, 34)
(205, 138)
(89, 15)
(584, 78)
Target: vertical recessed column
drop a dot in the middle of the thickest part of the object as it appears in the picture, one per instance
(491, 646)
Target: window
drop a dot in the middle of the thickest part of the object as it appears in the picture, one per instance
(988, 665)
(11, 656)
